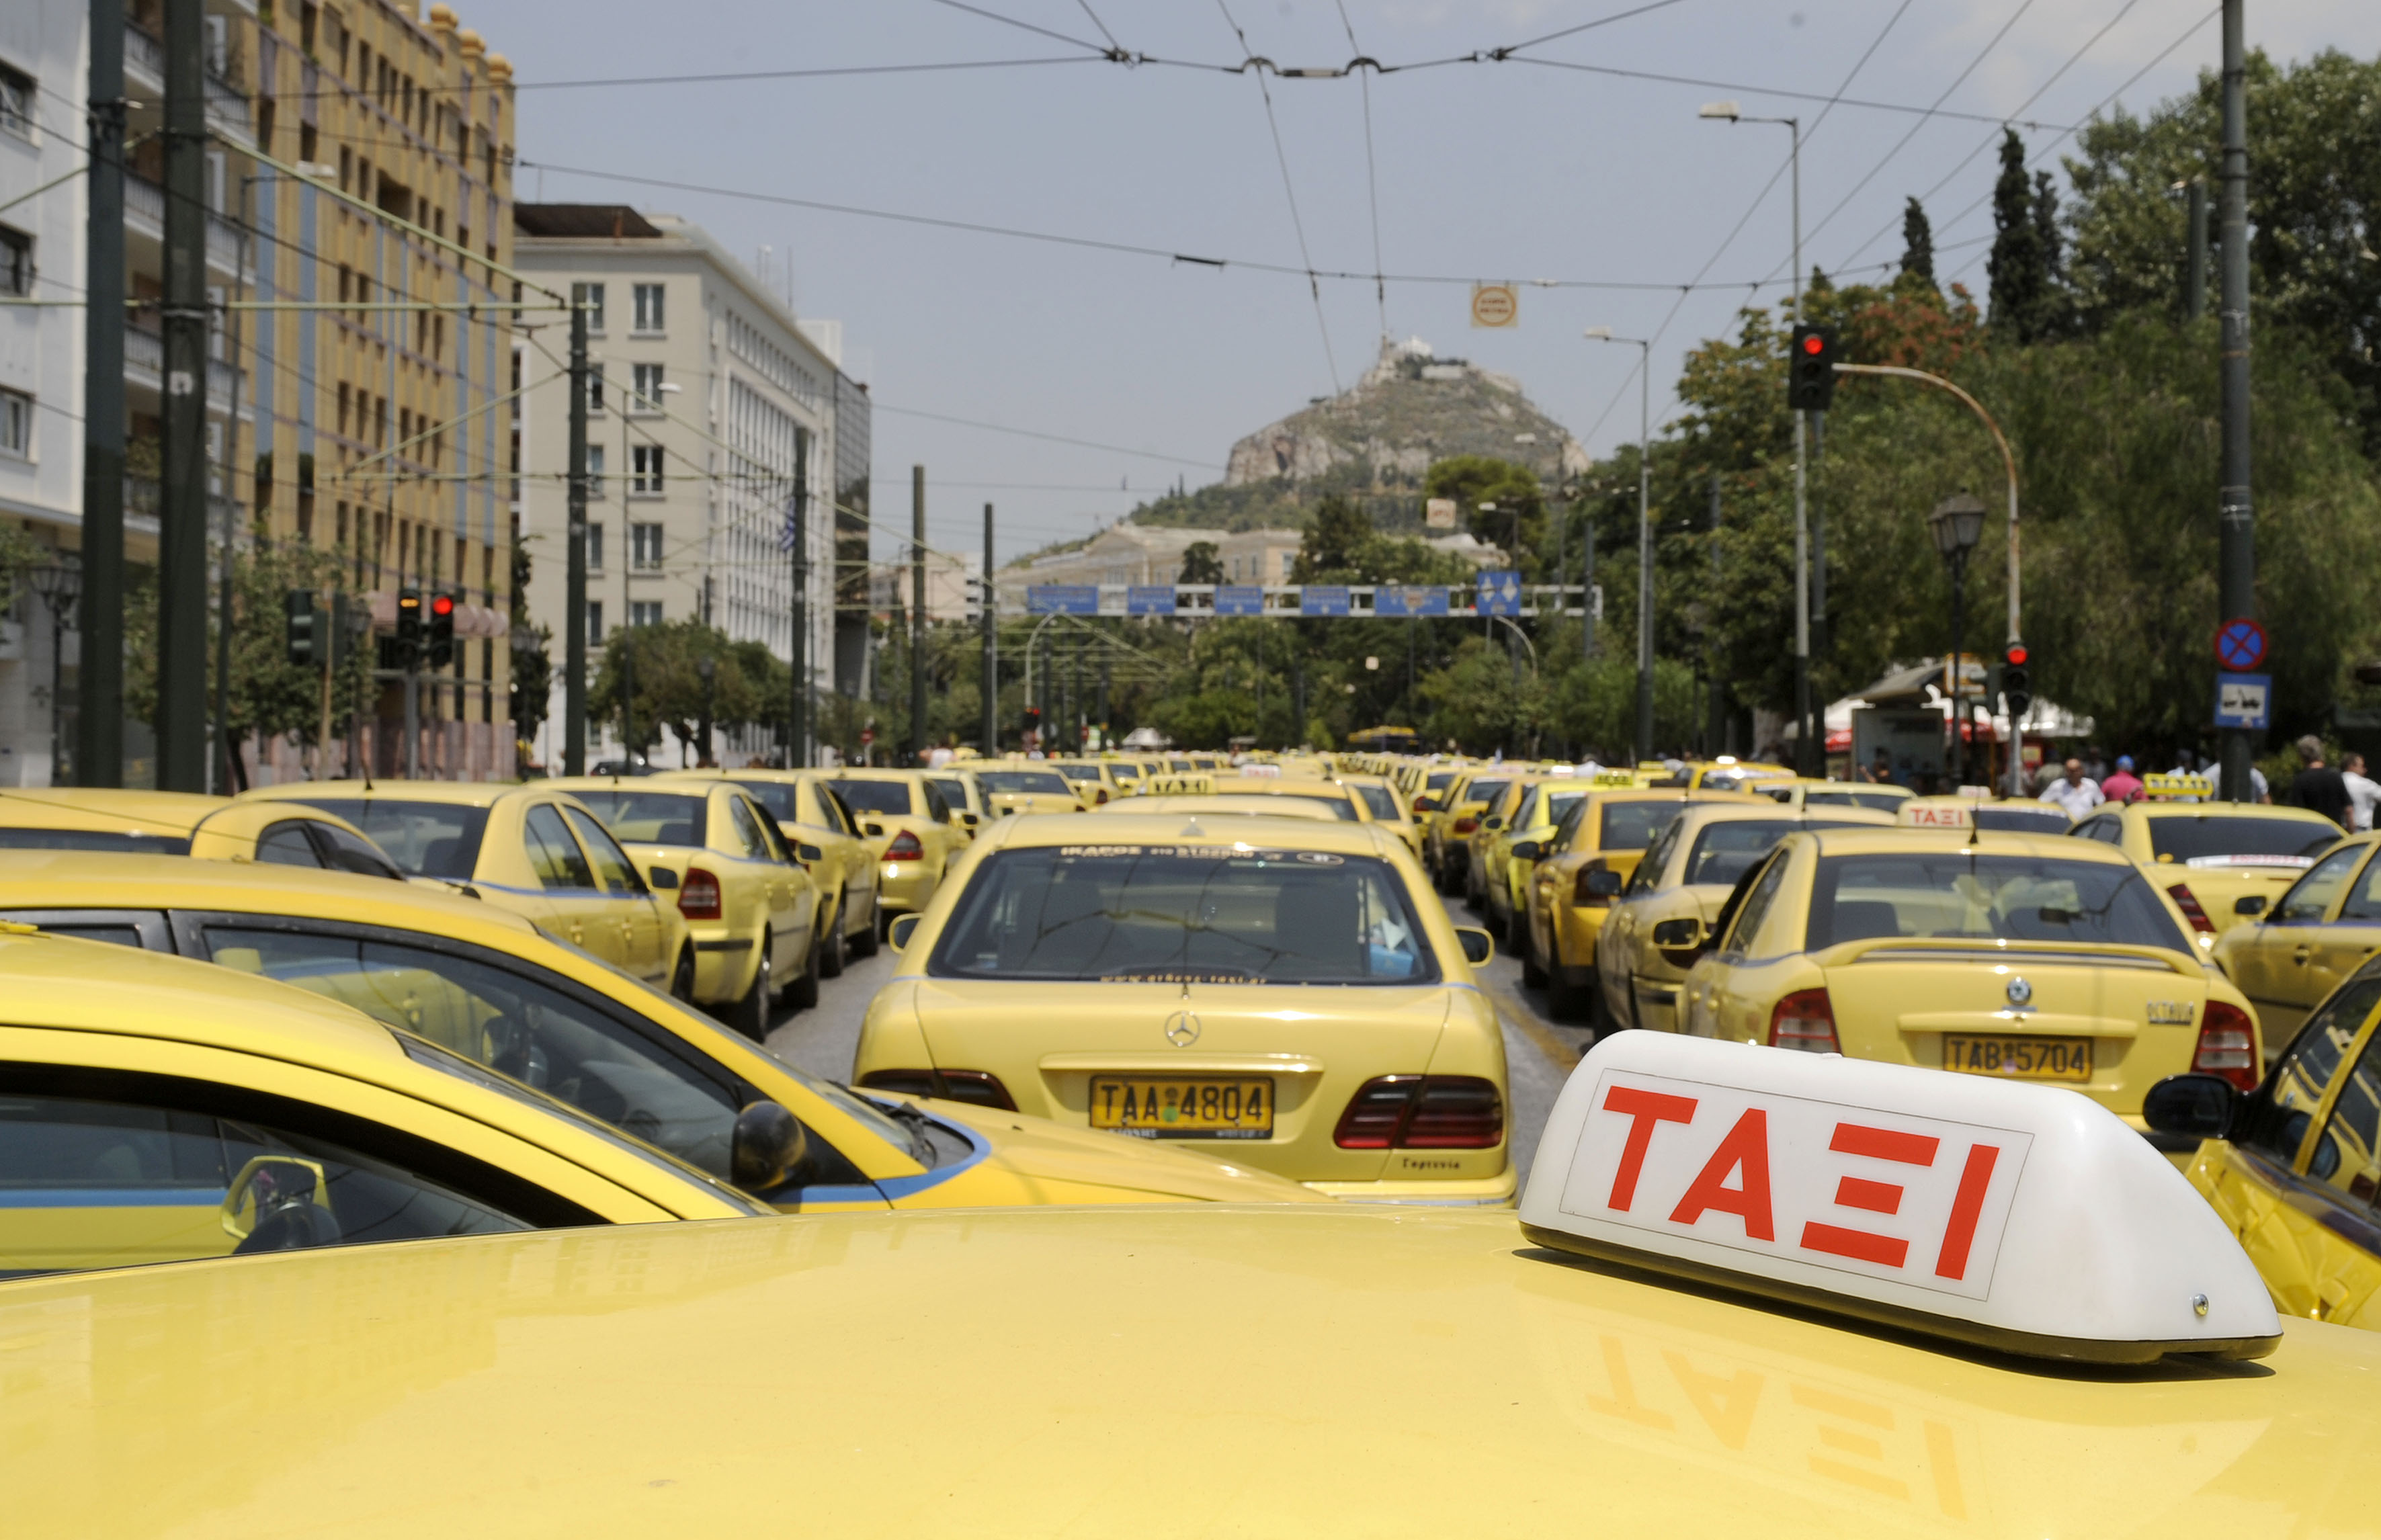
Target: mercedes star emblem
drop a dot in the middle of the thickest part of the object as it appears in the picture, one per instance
(2020, 992)
(1182, 1029)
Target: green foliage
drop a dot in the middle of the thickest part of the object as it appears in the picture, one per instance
(1201, 563)
(664, 672)
(20, 553)
(2028, 294)
(1917, 243)
(1474, 480)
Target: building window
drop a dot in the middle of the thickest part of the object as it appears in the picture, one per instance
(645, 472)
(646, 380)
(16, 102)
(645, 547)
(649, 308)
(595, 547)
(595, 470)
(1286, 558)
(595, 387)
(641, 612)
(15, 262)
(591, 296)
(595, 619)
(16, 425)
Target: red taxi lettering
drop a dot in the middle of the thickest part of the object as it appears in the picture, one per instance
(1643, 1108)
(1974, 1181)
(1872, 1197)
(1746, 1149)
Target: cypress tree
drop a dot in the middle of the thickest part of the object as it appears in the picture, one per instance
(2019, 265)
(1917, 242)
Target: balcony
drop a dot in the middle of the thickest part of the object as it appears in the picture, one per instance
(144, 365)
(144, 214)
(227, 107)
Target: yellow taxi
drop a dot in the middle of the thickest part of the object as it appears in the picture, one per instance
(910, 830)
(2209, 856)
(2286, 954)
(1385, 807)
(752, 911)
(2020, 816)
(1274, 990)
(1010, 789)
(2028, 957)
(157, 1109)
(1648, 938)
(963, 794)
(483, 984)
(1340, 802)
(186, 824)
(2061, 1381)
(1726, 774)
(1450, 818)
(1094, 780)
(2294, 1167)
(540, 853)
(1126, 773)
(1307, 808)
(825, 839)
(1880, 797)
(1508, 853)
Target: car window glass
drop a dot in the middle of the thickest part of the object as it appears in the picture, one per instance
(1124, 772)
(1632, 825)
(115, 935)
(510, 1022)
(891, 797)
(2017, 819)
(285, 844)
(1724, 851)
(1556, 807)
(612, 864)
(772, 841)
(2345, 1155)
(936, 809)
(650, 818)
(2212, 836)
(1048, 782)
(1486, 793)
(342, 852)
(2278, 1123)
(92, 1183)
(782, 802)
(2309, 898)
(1381, 799)
(1526, 813)
(2108, 831)
(1649, 870)
(1954, 895)
(747, 830)
(1756, 908)
(954, 793)
(834, 813)
(553, 854)
(1574, 818)
(425, 839)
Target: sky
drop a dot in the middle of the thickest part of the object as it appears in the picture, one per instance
(1446, 165)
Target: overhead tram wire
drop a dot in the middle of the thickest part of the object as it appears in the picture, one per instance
(1101, 25)
(1313, 284)
(1110, 52)
(1372, 171)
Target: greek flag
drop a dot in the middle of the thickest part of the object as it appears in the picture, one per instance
(785, 532)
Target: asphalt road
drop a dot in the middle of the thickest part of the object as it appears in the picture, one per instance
(1539, 1052)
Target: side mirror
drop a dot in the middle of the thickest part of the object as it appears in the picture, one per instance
(904, 926)
(277, 1203)
(1426, 804)
(2253, 904)
(1603, 883)
(2200, 1106)
(1494, 821)
(1681, 941)
(1528, 849)
(809, 852)
(662, 877)
(1478, 945)
(873, 830)
(770, 1147)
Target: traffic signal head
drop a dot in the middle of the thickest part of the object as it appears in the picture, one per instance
(439, 650)
(408, 618)
(2016, 685)
(1810, 369)
(303, 630)
(1032, 721)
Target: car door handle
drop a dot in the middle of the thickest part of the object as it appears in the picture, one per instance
(2300, 957)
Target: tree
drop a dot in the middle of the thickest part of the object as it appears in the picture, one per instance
(1517, 520)
(1201, 563)
(1917, 243)
(2021, 262)
(1335, 543)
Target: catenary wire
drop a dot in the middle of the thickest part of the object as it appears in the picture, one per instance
(1297, 224)
(1372, 172)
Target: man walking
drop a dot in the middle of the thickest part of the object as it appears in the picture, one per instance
(2074, 791)
(2319, 788)
(2363, 792)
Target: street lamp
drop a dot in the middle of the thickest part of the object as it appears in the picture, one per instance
(1644, 534)
(708, 669)
(60, 585)
(1958, 523)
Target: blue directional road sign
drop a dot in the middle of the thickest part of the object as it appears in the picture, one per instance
(1323, 599)
(2244, 701)
(1148, 599)
(1500, 593)
(1062, 599)
(1406, 603)
(1240, 599)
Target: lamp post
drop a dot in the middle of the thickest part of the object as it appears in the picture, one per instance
(60, 585)
(1644, 535)
(705, 667)
(1958, 523)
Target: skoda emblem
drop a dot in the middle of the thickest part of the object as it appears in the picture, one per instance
(2020, 992)
(1182, 1029)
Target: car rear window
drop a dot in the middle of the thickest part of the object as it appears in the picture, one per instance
(2213, 837)
(1485, 791)
(649, 817)
(1723, 852)
(2018, 820)
(1079, 772)
(777, 796)
(1875, 802)
(94, 839)
(1954, 895)
(875, 795)
(1632, 825)
(427, 839)
(1381, 799)
(1136, 913)
(1048, 782)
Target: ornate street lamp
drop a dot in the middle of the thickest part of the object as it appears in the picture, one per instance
(1957, 525)
(60, 585)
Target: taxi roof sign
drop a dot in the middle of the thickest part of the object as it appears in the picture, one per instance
(1927, 813)
(1178, 785)
(2020, 1218)
(2174, 783)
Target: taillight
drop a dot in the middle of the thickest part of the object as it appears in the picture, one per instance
(1104, 796)
(1804, 1020)
(1422, 1112)
(1418, 803)
(975, 1087)
(1581, 898)
(2185, 901)
(698, 895)
(1465, 825)
(2228, 1044)
(905, 847)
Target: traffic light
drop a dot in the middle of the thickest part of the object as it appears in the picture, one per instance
(2016, 689)
(409, 626)
(304, 629)
(1810, 369)
(1032, 723)
(975, 598)
(440, 649)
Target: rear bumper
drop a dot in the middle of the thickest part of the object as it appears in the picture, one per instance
(1470, 1193)
(722, 963)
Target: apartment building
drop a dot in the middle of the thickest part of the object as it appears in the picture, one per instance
(369, 433)
(711, 408)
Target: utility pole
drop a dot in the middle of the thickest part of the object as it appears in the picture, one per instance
(574, 620)
(2236, 521)
(1807, 748)
(798, 715)
(1718, 731)
(1645, 555)
(182, 507)
(99, 716)
(991, 691)
(1587, 580)
(918, 614)
(2195, 290)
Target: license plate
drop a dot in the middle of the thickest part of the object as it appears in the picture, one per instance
(1180, 1106)
(2025, 1058)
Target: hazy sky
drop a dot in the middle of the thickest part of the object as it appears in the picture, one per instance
(1479, 170)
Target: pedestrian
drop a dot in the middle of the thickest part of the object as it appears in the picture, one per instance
(2318, 788)
(2362, 793)
(2124, 786)
(2074, 791)
(1881, 772)
(2259, 791)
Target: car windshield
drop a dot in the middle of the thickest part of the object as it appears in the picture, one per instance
(1553, 807)
(649, 817)
(874, 796)
(1163, 913)
(1124, 772)
(2213, 837)
(1875, 802)
(1632, 825)
(426, 839)
(1724, 851)
(1048, 782)
(1986, 897)
(1489, 792)
(1079, 772)
(2020, 820)
(1381, 799)
(94, 839)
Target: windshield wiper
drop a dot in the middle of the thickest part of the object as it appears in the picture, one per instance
(913, 1123)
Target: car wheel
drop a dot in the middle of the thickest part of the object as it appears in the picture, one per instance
(751, 1014)
(1517, 941)
(830, 951)
(1565, 1001)
(866, 942)
(682, 977)
(803, 993)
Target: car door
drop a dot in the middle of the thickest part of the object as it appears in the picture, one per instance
(574, 904)
(766, 876)
(628, 903)
(2353, 933)
(2276, 964)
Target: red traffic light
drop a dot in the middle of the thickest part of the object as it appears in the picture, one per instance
(1815, 345)
(2016, 655)
(443, 605)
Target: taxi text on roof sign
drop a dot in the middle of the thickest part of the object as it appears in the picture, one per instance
(1178, 785)
(2160, 783)
(2020, 1217)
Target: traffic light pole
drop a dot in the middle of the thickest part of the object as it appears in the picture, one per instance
(99, 715)
(2236, 521)
(990, 712)
(181, 717)
(918, 614)
(574, 617)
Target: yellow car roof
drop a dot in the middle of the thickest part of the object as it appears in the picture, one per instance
(1311, 808)
(1415, 1371)
(464, 793)
(1900, 841)
(83, 879)
(105, 808)
(2229, 810)
(1706, 809)
(1194, 825)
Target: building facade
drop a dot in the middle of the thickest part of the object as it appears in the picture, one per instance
(711, 408)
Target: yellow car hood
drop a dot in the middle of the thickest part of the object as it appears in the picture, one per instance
(1058, 1164)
